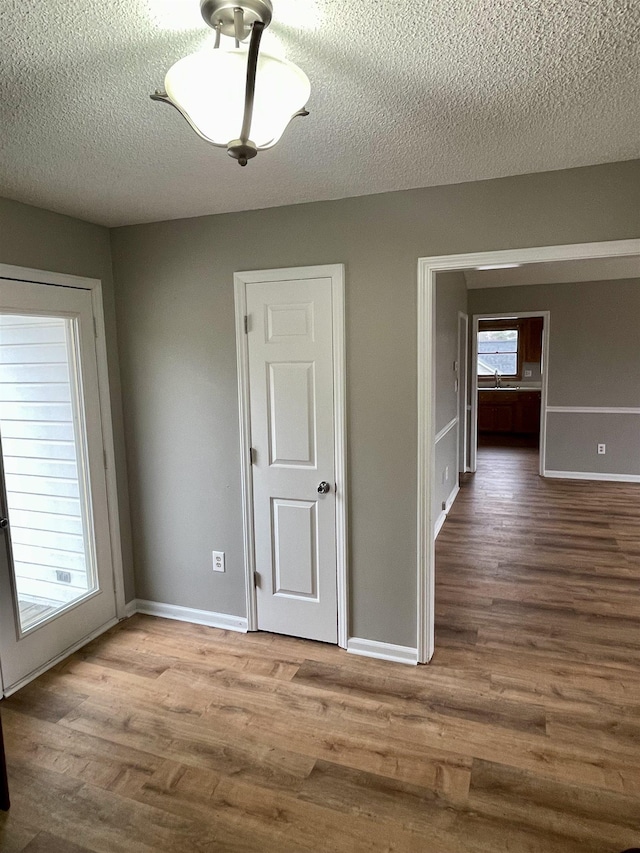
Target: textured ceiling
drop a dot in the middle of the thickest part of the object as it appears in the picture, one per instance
(470, 89)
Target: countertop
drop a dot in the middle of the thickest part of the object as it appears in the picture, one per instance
(512, 388)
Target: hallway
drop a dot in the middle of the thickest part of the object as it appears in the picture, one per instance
(538, 613)
(550, 567)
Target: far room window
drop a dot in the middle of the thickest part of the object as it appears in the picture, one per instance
(498, 352)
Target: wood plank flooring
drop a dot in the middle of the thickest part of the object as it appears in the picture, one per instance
(522, 735)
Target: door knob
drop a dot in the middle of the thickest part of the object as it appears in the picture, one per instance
(4, 522)
(323, 488)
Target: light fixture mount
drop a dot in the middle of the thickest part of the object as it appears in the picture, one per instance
(222, 14)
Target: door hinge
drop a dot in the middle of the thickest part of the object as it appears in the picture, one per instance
(104, 458)
(246, 324)
(256, 579)
(95, 327)
(252, 456)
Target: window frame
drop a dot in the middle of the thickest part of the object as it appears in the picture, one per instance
(500, 326)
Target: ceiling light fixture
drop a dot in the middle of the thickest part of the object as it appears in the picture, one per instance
(499, 267)
(236, 97)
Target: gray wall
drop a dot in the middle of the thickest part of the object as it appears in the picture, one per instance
(572, 439)
(446, 472)
(174, 295)
(593, 362)
(31, 237)
(451, 297)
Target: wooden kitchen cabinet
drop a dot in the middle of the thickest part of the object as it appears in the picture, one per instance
(495, 418)
(516, 412)
(526, 416)
(532, 350)
(495, 411)
(486, 417)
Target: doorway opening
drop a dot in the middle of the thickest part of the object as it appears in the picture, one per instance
(585, 403)
(509, 373)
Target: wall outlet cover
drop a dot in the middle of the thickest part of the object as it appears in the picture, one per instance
(218, 561)
(602, 449)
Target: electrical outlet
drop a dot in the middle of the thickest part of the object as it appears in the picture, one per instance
(218, 561)
(445, 474)
(602, 449)
(63, 577)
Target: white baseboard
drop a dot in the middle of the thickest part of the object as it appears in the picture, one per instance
(130, 608)
(445, 512)
(594, 410)
(8, 691)
(584, 475)
(452, 497)
(382, 651)
(440, 520)
(190, 614)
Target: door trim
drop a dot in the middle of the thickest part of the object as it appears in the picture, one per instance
(463, 394)
(382, 651)
(427, 269)
(94, 285)
(546, 328)
(240, 279)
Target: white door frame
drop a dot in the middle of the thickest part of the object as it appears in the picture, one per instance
(546, 328)
(427, 270)
(94, 285)
(463, 393)
(336, 273)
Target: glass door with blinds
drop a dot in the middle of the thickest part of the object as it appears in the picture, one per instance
(56, 575)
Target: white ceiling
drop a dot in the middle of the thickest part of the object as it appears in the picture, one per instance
(556, 272)
(470, 89)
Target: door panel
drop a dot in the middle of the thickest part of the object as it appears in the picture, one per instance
(56, 576)
(295, 548)
(290, 350)
(291, 414)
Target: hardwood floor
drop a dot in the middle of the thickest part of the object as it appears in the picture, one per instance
(522, 735)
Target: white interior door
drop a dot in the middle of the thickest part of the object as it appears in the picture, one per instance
(291, 394)
(56, 573)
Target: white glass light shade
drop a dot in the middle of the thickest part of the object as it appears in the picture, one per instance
(209, 90)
